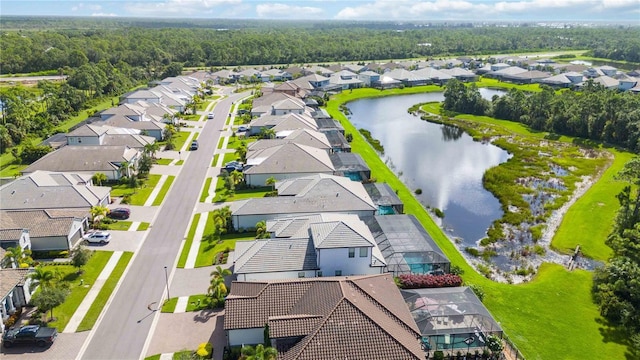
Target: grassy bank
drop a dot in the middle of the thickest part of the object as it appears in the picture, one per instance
(549, 318)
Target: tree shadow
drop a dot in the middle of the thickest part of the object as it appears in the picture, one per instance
(616, 335)
(205, 315)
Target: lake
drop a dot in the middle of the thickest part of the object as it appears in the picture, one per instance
(441, 160)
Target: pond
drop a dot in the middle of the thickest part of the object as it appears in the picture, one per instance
(442, 161)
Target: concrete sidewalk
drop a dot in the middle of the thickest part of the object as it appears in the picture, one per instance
(195, 244)
(156, 191)
(86, 303)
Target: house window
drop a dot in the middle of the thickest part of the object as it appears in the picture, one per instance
(319, 273)
(364, 252)
(79, 140)
(301, 274)
(352, 252)
(338, 272)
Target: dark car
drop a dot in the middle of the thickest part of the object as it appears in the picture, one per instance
(119, 213)
(31, 334)
(233, 165)
(194, 145)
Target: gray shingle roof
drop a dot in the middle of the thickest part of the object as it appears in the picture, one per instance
(83, 159)
(341, 234)
(360, 317)
(344, 161)
(276, 255)
(289, 158)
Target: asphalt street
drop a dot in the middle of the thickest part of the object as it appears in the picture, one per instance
(122, 332)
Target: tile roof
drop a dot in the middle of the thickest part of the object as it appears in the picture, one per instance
(275, 255)
(83, 158)
(49, 190)
(342, 317)
(89, 130)
(341, 234)
(10, 278)
(40, 223)
(289, 158)
(10, 234)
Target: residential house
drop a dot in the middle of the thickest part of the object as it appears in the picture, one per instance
(280, 123)
(299, 136)
(276, 75)
(315, 69)
(310, 246)
(433, 75)
(406, 246)
(145, 95)
(15, 292)
(368, 77)
(107, 135)
(52, 190)
(608, 70)
(353, 68)
(526, 77)
(315, 80)
(564, 80)
(359, 317)
(407, 78)
(151, 128)
(133, 111)
(451, 319)
(461, 74)
(345, 79)
(11, 238)
(626, 82)
(306, 195)
(49, 230)
(607, 81)
(286, 161)
(88, 160)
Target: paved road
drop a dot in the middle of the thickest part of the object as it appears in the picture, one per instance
(122, 332)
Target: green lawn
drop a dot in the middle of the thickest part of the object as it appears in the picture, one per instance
(210, 245)
(169, 306)
(103, 296)
(214, 162)
(153, 357)
(197, 302)
(64, 312)
(495, 83)
(230, 157)
(179, 162)
(12, 170)
(163, 161)
(138, 196)
(195, 136)
(234, 141)
(551, 315)
(190, 117)
(180, 138)
(143, 226)
(119, 225)
(163, 190)
(222, 194)
(187, 244)
(205, 190)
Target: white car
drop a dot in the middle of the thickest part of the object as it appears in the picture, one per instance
(98, 237)
(210, 116)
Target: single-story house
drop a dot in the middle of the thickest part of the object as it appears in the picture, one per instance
(150, 128)
(15, 292)
(60, 229)
(282, 123)
(350, 165)
(87, 160)
(107, 135)
(385, 198)
(306, 195)
(356, 317)
(50, 190)
(434, 75)
(461, 74)
(407, 78)
(300, 136)
(286, 161)
(527, 77)
(309, 246)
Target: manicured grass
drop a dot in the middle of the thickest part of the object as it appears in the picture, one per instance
(179, 162)
(180, 138)
(139, 195)
(495, 83)
(205, 190)
(195, 136)
(163, 190)
(214, 162)
(190, 117)
(197, 302)
(12, 170)
(210, 245)
(143, 226)
(64, 312)
(169, 306)
(234, 142)
(187, 244)
(551, 316)
(230, 157)
(163, 161)
(103, 296)
(153, 357)
(119, 225)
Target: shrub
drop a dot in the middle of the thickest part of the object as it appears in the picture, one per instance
(411, 281)
(478, 290)
(438, 355)
(126, 199)
(456, 270)
(439, 213)
(418, 191)
(472, 251)
(205, 351)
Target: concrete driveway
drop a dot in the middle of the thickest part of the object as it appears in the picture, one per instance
(185, 331)
(138, 213)
(121, 241)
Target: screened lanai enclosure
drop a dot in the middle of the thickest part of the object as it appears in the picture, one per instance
(451, 319)
(406, 246)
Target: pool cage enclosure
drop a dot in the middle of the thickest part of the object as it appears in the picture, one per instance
(451, 319)
(406, 246)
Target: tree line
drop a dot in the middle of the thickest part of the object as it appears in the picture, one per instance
(594, 113)
(25, 51)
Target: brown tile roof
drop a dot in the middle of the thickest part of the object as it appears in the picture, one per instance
(10, 234)
(10, 278)
(38, 222)
(341, 317)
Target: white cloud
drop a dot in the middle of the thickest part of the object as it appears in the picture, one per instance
(83, 6)
(479, 10)
(101, 14)
(176, 7)
(278, 10)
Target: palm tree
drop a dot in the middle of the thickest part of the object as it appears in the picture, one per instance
(98, 212)
(220, 272)
(98, 178)
(236, 177)
(40, 276)
(271, 182)
(124, 169)
(151, 149)
(260, 352)
(17, 257)
(217, 289)
(261, 230)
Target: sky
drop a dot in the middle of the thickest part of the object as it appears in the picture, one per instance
(397, 10)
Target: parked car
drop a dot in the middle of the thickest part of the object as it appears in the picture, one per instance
(210, 116)
(243, 128)
(31, 334)
(119, 213)
(98, 237)
(194, 145)
(233, 165)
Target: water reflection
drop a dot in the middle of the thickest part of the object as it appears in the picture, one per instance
(441, 160)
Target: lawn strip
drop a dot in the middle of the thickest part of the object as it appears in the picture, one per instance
(187, 244)
(205, 190)
(143, 226)
(163, 161)
(164, 190)
(169, 306)
(210, 245)
(103, 296)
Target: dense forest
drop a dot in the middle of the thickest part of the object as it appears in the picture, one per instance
(139, 44)
(594, 113)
